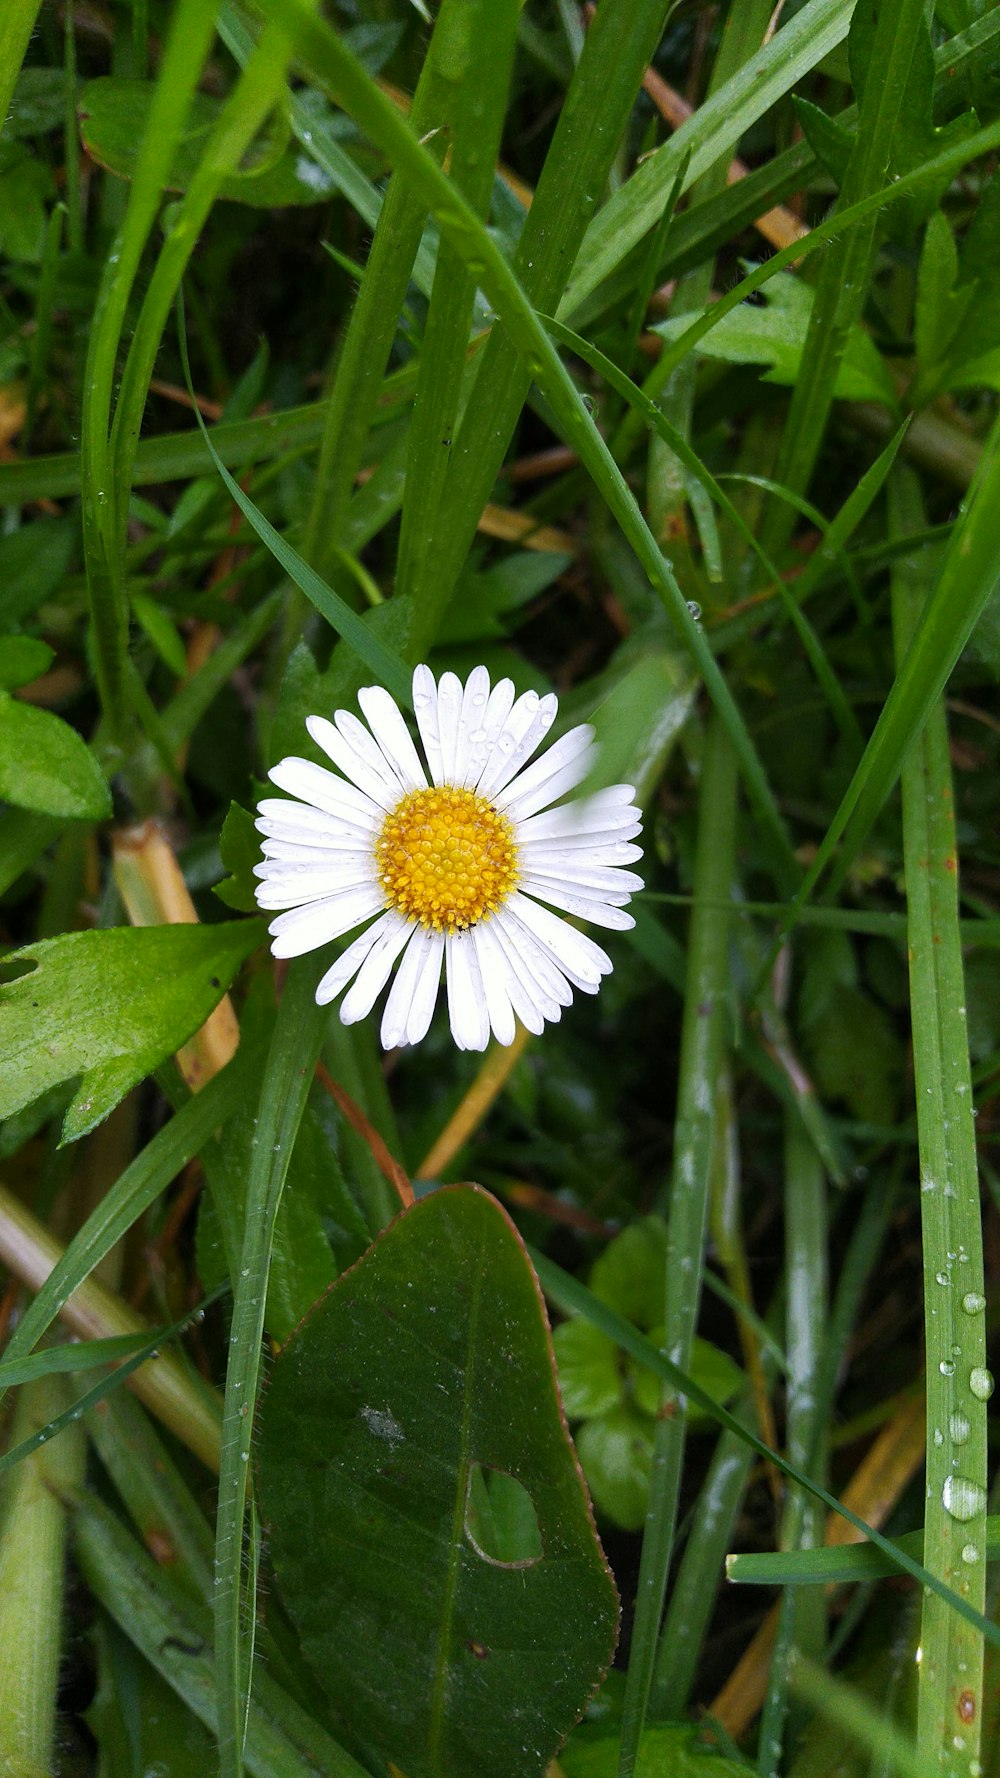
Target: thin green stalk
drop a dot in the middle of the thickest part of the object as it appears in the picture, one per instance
(620, 42)
(477, 117)
(703, 1038)
(32, 1549)
(103, 502)
(802, 1630)
(950, 1685)
(295, 1047)
(845, 270)
(361, 360)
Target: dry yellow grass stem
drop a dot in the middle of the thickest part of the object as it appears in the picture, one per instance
(488, 1084)
(170, 1391)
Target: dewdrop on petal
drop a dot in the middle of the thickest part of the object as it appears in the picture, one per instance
(449, 862)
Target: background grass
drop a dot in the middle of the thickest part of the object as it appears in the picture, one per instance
(495, 360)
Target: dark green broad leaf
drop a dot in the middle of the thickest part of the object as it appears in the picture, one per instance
(45, 765)
(239, 849)
(428, 1524)
(109, 1006)
(113, 115)
(33, 561)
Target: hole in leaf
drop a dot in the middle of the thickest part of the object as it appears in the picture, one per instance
(500, 1519)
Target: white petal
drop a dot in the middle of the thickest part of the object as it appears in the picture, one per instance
(426, 991)
(392, 735)
(470, 1026)
(409, 975)
(577, 956)
(581, 874)
(449, 696)
(527, 985)
(425, 709)
(529, 720)
(495, 973)
(557, 855)
(383, 788)
(285, 820)
(576, 747)
(342, 856)
(471, 730)
(575, 825)
(600, 912)
(374, 972)
(350, 961)
(315, 785)
(306, 928)
(299, 888)
(498, 708)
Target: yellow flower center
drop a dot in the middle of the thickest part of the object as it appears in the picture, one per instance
(446, 858)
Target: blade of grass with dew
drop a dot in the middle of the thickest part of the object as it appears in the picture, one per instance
(703, 1040)
(569, 1295)
(841, 1564)
(143, 1181)
(845, 271)
(295, 1047)
(186, 48)
(88, 1355)
(711, 132)
(477, 117)
(332, 61)
(950, 1677)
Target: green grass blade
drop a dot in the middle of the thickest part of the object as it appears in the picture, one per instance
(840, 1564)
(958, 1383)
(333, 62)
(174, 1635)
(713, 130)
(845, 270)
(476, 120)
(88, 1355)
(104, 504)
(295, 1047)
(387, 667)
(703, 1041)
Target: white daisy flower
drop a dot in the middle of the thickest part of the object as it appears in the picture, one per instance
(449, 864)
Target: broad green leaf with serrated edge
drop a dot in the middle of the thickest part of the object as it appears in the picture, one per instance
(45, 766)
(775, 335)
(110, 1005)
(429, 1358)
